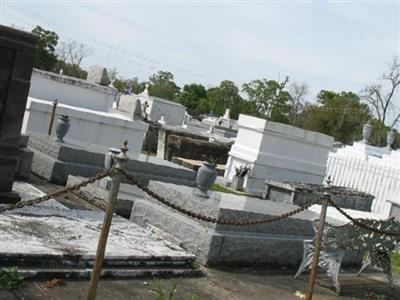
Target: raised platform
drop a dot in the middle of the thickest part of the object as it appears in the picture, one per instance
(49, 240)
(55, 161)
(278, 243)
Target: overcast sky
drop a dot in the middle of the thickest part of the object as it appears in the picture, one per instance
(337, 45)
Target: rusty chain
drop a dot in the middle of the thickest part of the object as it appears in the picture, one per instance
(73, 190)
(58, 192)
(361, 224)
(82, 196)
(208, 219)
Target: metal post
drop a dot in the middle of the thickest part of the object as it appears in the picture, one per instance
(318, 239)
(105, 229)
(53, 113)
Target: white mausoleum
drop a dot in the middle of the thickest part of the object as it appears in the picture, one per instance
(89, 107)
(278, 152)
(173, 113)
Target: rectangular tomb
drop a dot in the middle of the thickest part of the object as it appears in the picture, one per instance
(279, 243)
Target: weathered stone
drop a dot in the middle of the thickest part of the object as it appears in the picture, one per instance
(278, 243)
(55, 161)
(17, 50)
(50, 240)
(302, 193)
(98, 74)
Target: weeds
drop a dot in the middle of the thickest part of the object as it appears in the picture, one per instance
(10, 278)
(163, 293)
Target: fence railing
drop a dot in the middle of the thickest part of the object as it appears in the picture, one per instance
(375, 178)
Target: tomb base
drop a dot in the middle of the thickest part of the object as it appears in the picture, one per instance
(275, 244)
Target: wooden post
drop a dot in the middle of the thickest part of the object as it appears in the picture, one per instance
(318, 239)
(53, 113)
(105, 229)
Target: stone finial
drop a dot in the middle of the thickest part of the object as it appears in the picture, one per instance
(98, 74)
(366, 132)
(122, 156)
(390, 139)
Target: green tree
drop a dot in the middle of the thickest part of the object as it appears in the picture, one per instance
(162, 85)
(192, 94)
(226, 95)
(46, 58)
(340, 115)
(271, 100)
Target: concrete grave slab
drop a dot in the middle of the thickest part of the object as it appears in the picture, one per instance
(64, 241)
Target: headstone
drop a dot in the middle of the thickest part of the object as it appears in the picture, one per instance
(137, 113)
(98, 74)
(17, 50)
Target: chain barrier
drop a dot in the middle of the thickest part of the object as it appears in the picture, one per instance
(361, 224)
(82, 196)
(208, 219)
(73, 190)
(58, 192)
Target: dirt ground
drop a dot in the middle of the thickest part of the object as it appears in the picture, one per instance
(228, 284)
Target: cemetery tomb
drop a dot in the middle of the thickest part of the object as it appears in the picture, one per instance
(278, 152)
(17, 50)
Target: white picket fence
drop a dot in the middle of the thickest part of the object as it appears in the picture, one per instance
(377, 178)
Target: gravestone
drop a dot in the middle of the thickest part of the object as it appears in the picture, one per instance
(98, 74)
(17, 50)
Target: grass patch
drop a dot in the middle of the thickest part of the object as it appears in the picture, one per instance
(396, 262)
(219, 188)
(10, 279)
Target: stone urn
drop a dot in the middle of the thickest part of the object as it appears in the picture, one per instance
(237, 183)
(390, 139)
(205, 178)
(62, 128)
(366, 132)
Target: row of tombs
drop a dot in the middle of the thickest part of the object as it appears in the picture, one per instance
(282, 167)
(99, 117)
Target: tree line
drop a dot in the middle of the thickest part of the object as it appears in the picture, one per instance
(339, 114)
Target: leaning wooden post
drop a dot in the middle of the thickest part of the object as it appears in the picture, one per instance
(105, 229)
(321, 223)
(53, 113)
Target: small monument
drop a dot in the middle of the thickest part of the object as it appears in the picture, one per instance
(226, 115)
(145, 92)
(98, 74)
(17, 51)
(137, 113)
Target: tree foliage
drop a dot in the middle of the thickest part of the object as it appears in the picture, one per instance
(340, 115)
(192, 94)
(46, 58)
(224, 96)
(162, 85)
(270, 97)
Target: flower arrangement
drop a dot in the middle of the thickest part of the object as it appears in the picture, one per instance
(242, 171)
